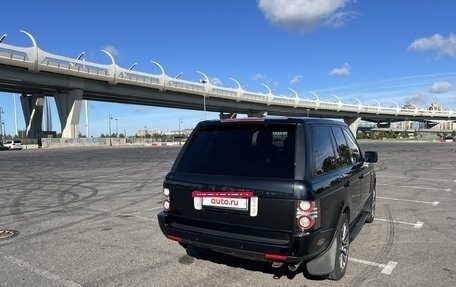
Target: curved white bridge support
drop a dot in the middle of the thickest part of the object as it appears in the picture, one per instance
(32, 107)
(69, 109)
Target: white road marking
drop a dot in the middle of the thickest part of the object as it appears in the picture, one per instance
(417, 225)
(386, 268)
(427, 179)
(41, 272)
(416, 187)
(433, 203)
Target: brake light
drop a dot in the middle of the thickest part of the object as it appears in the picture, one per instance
(306, 206)
(307, 215)
(175, 238)
(305, 222)
(166, 199)
(275, 257)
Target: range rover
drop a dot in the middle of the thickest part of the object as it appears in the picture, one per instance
(286, 190)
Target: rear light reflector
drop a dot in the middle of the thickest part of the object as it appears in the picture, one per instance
(305, 222)
(175, 238)
(166, 205)
(307, 215)
(306, 206)
(166, 199)
(275, 257)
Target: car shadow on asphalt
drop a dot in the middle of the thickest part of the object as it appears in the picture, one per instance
(235, 262)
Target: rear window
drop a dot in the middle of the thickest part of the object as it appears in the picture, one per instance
(241, 150)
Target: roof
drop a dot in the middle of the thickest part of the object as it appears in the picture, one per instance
(275, 120)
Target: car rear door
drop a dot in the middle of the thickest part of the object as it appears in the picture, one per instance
(359, 170)
(219, 162)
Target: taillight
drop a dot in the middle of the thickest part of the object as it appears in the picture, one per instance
(166, 199)
(307, 215)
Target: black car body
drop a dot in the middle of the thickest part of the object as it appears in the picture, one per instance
(286, 190)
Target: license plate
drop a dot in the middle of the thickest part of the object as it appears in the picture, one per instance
(226, 202)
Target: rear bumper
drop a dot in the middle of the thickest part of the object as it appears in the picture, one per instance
(295, 248)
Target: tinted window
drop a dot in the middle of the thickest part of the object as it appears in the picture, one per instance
(241, 150)
(343, 151)
(355, 153)
(325, 159)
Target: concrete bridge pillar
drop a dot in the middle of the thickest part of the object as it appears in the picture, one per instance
(353, 124)
(32, 107)
(69, 109)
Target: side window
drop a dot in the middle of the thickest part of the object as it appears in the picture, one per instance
(325, 159)
(343, 151)
(355, 153)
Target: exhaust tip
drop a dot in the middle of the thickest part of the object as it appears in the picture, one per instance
(293, 267)
(277, 264)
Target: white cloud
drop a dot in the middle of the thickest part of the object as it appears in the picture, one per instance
(257, 77)
(417, 99)
(303, 15)
(295, 79)
(341, 72)
(111, 49)
(443, 46)
(440, 87)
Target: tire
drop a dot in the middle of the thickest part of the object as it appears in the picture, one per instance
(343, 248)
(373, 200)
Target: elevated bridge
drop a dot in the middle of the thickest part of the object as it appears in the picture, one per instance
(35, 73)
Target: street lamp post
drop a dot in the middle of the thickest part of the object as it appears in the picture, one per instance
(117, 129)
(179, 135)
(110, 140)
(205, 83)
(2, 126)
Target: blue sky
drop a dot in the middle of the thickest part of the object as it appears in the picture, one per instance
(391, 51)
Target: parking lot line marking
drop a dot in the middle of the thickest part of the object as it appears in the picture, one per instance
(389, 267)
(433, 203)
(415, 187)
(408, 177)
(156, 208)
(417, 225)
(386, 268)
(41, 272)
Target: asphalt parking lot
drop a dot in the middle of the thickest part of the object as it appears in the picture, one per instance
(87, 217)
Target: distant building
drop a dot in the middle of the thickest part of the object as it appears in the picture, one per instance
(435, 107)
(145, 132)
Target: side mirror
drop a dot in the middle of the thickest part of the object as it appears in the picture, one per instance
(370, 156)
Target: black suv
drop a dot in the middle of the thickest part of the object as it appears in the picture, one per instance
(285, 190)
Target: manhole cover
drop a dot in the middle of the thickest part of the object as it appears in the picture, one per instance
(5, 234)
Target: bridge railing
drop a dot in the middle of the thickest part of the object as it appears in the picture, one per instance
(15, 56)
(36, 60)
